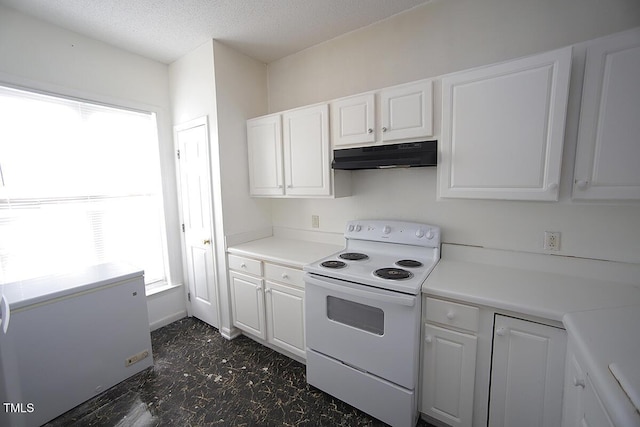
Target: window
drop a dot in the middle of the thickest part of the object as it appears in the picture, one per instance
(79, 185)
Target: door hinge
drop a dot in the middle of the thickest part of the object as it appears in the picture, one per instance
(183, 228)
(178, 154)
(189, 296)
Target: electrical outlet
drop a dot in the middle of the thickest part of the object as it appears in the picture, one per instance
(136, 358)
(315, 221)
(552, 240)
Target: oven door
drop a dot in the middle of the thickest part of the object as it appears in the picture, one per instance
(367, 328)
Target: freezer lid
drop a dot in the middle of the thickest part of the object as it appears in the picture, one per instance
(38, 290)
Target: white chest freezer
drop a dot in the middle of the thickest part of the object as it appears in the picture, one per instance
(66, 338)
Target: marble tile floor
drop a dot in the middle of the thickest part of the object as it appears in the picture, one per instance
(201, 379)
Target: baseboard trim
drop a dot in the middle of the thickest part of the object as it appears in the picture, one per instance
(230, 333)
(167, 320)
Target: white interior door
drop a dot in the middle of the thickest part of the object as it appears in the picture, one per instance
(192, 140)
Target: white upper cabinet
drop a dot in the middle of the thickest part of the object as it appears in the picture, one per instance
(353, 120)
(503, 129)
(264, 138)
(306, 151)
(390, 115)
(407, 111)
(290, 155)
(608, 152)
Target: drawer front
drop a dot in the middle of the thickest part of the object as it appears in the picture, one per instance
(288, 275)
(452, 314)
(245, 265)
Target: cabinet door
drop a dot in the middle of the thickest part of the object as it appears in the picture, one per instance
(527, 374)
(306, 151)
(503, 129)
(353, 121)
(264, 138)
(285, 317)
(407, 111)
(448, 375)
(572, 402)
(247, 303)
(608, 151)
(594, 414)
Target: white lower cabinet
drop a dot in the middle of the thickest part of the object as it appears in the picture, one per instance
(449, 365)
(449, 362)
(582, 406)
(285, 317)
(527, 371)
(268, 302)
(247, 304)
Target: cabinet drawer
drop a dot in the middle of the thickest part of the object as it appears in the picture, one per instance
(246, 265)
(288, 275)
(452, 314)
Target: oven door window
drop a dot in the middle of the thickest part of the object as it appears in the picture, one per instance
(360, 316)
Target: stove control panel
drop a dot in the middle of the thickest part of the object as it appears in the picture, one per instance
(401, 232)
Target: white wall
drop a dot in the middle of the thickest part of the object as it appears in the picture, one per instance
(441, 37)
(37, 55)
(227, 87)
(241, 93)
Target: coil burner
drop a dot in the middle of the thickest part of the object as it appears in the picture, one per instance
(333, 264)
(354, 256)
(393, 273)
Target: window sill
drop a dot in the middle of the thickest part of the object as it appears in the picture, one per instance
(160, 287)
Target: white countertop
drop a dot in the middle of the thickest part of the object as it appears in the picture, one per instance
(33, 291)
(295, 253)
(535, 293)
(601, 315)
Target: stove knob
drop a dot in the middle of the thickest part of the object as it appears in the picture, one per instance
(358, 228)
(420, 233)
(386, 229)
(430, 234)
(351, 227)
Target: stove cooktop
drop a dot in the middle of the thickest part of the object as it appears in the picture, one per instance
(378, 270)
(392, 255)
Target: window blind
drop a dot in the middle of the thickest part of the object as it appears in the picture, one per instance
(79, 185)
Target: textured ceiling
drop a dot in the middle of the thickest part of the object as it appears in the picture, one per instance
(165, 30)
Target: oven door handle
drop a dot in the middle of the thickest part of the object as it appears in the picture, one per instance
(344, 288)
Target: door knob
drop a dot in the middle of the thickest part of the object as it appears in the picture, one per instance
(206, 242)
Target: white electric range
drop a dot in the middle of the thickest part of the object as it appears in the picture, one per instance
(362, 316)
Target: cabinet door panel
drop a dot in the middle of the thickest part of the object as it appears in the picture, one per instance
(352, 121)
(407, 111)
(285, 318)
(594, 413)
(264, 138)
(449, 362)
(608, 150)
(503, 129)
(247, 304)
(306, 151)
(527, 374)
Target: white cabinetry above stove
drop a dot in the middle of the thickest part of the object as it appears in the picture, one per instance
(608, 145)
(290, 156)
(393, 114)
(503, 129)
